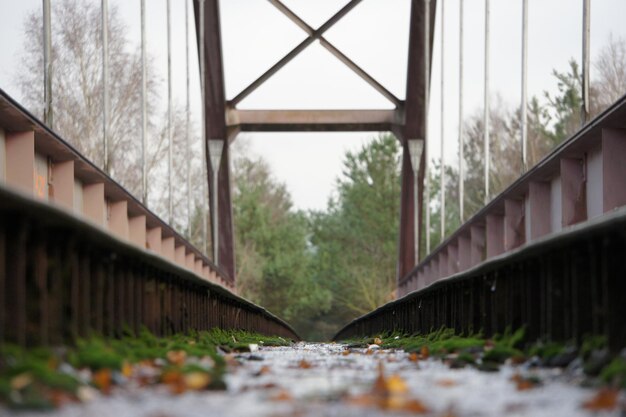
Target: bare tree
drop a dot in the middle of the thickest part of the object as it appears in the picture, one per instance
(610, 66)
(77, 95)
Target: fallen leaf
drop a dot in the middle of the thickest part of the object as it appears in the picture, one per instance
(127, 369)
(522, 383)
(378, 341)
(282, 395)
(177, 357)
(304, 364)
(416, 406)
(21, 381)
(445, 382)
(264, 370)
(197, 380)
(413, 357)
(369, 352)
(424, 352)
(102, 380)
(396, 385)
(605, 399)
(345, 352)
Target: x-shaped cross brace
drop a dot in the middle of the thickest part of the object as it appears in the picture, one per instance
(313, 35)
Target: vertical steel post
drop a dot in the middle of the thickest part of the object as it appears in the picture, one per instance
(47, 65)
(105, 85)
(426, 102)
(442, 176)
(205, 194)
(461, 150)
(586, 59)
(187, 122)
(416, 148)
(216, 148)
(170, 204)
(486, 103)
(524, 104)
(144, 112)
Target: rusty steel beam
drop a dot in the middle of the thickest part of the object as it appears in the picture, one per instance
(215, 128)
(294, 52)
(338, 54)
(312, 120)
(413, 128)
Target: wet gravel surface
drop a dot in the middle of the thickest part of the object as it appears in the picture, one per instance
(324, 380)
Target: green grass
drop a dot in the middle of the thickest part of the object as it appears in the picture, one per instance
(46, 371)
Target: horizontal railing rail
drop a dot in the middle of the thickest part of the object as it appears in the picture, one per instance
(561, 287)
(579, 180)
(62, 277)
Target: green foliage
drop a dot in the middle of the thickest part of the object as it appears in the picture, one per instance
(355, 240)
(615, 372)
(273, 257)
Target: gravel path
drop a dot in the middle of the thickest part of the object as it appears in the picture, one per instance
(324, 380)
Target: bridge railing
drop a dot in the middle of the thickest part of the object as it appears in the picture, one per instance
(37, 162)
(580, 180)
(79, 255)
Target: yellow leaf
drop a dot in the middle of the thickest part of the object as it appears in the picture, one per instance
(127, 369)
(197, 380)
(21, 381)
(378, 341)
(396, 385)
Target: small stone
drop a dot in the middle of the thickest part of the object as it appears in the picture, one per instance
(597, 361)
(86, 393)
(564, 358)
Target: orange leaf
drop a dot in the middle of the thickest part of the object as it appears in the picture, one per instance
(345, 352)
(415, 406)
(447, 382)
(413, 357)
(523, 384)
(605, 399)
(282, 395)
(425, 352)
(102, 380)
(177, 357)
(171, 377)
(264, 370)
(369, 352)
(304, 364)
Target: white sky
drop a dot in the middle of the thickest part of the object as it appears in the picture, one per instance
(374, 35)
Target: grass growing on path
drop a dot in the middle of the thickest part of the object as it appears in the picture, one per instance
(43, 378)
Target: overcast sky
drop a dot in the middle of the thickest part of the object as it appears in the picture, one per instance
(374, 35)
